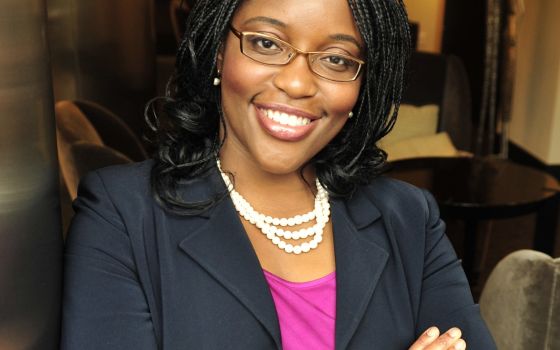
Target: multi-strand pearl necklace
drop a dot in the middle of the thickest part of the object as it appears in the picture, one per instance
(274, 228)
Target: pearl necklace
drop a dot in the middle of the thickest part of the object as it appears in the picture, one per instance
(271, 226)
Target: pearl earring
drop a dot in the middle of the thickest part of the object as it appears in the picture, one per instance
(217, 79)
(350, 115)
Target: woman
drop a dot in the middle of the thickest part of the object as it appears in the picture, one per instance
(261, 223)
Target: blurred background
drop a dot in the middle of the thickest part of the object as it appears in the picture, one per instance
(483, 101)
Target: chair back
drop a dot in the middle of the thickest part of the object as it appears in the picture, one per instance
(81, 147)
(441, 80)
(114, 132)
(72, 125)
(520, 302)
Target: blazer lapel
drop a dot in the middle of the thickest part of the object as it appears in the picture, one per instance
(222, 248)
(359, 263)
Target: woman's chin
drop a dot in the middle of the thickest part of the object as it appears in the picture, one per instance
(281, 166)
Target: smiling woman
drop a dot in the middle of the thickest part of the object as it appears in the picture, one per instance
(262, 221)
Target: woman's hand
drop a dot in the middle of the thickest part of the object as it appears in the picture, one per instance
(432, 340)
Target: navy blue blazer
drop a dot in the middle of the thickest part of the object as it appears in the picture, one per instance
(137, 277)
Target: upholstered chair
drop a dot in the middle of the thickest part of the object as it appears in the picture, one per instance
(520, 302)
(114, 132)
(82, 149)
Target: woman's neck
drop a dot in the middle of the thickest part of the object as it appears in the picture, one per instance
(273, 194)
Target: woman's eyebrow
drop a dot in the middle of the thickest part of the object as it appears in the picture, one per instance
(268, 20)
(278, 23)
(346, 37)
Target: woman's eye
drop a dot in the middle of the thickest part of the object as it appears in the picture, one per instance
(336, 62)
(264, 44)
(267, 44)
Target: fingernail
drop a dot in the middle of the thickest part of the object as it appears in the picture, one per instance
(454, 333)
(432, 332)
(461, 345)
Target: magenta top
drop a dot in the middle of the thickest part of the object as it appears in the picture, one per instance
(306, 311)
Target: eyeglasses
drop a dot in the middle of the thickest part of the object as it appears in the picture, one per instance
(273, 51)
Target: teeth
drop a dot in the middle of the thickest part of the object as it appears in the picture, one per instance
(286, 119)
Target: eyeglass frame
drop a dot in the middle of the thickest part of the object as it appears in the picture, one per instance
(241, 34)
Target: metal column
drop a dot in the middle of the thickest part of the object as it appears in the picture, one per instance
(30, 234)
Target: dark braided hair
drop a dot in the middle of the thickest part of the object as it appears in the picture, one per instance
(187, 137)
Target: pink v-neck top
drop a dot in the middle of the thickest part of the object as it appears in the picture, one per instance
(306, 311)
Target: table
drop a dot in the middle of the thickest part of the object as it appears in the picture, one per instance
(474, 189)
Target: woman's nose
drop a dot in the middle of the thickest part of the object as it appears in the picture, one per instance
(296, 78)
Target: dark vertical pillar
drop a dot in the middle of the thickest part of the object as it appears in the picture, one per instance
(464, 36)
(30, 235)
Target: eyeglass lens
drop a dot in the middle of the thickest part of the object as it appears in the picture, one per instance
(268, 50)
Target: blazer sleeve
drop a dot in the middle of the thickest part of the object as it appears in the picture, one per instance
(104, 306)
(446, 299)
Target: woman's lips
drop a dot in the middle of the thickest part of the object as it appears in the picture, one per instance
(283, 128)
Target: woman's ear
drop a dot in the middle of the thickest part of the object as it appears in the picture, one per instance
(220, 58)
(219, 63)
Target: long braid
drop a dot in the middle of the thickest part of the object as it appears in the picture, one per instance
(384, 28)
(188, 137)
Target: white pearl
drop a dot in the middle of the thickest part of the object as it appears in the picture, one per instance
(268, 225)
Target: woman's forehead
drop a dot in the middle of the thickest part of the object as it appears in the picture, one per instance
(301, 9)
(301, 16)
(298, 10)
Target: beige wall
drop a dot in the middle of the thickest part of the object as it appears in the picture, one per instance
(535, 122)
(555, 138)
(429, 14)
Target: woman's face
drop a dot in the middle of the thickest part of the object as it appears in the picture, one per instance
(254, 94)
